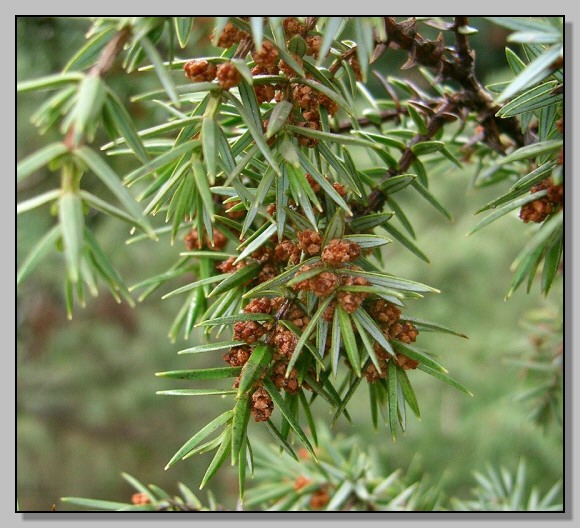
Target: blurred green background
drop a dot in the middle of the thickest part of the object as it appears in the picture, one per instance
(86, 403)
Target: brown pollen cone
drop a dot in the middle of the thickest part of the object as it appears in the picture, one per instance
(238, 356)
(310, 242)
(200, 70)
(339, 251)
(248, 331)
(228, 75)
(262, 405)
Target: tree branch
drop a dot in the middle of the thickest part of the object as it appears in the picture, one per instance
(100, 69)
(110, 53)
(431, 54)
(377, 198)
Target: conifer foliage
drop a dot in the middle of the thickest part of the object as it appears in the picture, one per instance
(256, 170)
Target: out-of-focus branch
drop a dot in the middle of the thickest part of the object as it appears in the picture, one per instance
(459, 68)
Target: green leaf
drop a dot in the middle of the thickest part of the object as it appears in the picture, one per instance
(199, 436)
(343, 170)
(290, 418)
(540, 68)
(332, 28)
(257, 26)
(253, 369)
(258, 200)
(219, 458)
(244, 70)
(138, 486)
(289, 59)
(288, 151)
(421, 172)
(88, 103)
(182, 29)
(193, 285)
(205, 374)
(340, 496)
(323, 182)
(38, 253)
(349, 340)
(160, 70)
(335, 227)
(510, 206)
(211, 347)
(196, 392)
(533, 51)
(124, 125)
(335, 344)
(395, 183)
(161, 161)
(365, 320)
(217, 321)
(382, 139)
(202, 185)
(523, 23)
(37, 201)
(239, 426)
(552, 264)
(297, 45)
(53, 108)
(341, 407)
(303, 194)
(255, 131)
(421, 324)
(105, 268)
(408, 392)
(445, 378)
(209, 145)
(333, 138)
(526, 262)
(50, 82)
(111, 180)
(388, 281)
(516, 64)
(405, 241)
(105, 207)
(368, 345)
(307, 332)
(417, 119)
(278, 436)
(282, 184)
(39, 159)
(72, 222)
(368, 241)
(306, 406)
(527, 152)
(374, 404)
(392, 388)
(96, 504)
(245, 459)
(183, 201)
(535, 176)
(331, 94)
(258, 241)
(368, 222)
(220, 24)
(278, 117)
(531, 100)
(417, 355)
(365, 40)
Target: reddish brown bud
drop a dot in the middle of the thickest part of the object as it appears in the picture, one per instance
(200, 70)
(228, 75)
(340, 251)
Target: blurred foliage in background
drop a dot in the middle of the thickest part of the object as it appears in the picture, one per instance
(86, 402)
